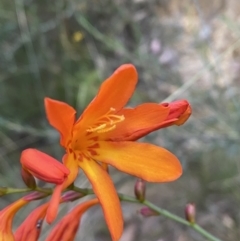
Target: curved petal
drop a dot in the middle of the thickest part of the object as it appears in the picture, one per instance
(138, 121)
(106, 193)
(113, 93)
(149, 162)
(54, 204)
(6, 218)
(61, 116)
(66, 229)
(71, 164)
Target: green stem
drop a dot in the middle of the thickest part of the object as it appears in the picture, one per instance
(169, 215)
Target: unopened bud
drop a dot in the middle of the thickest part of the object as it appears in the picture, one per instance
(190, 212)
(71, 196)
(140, 190)
(35, 196)
(28, 178)
(148, 212)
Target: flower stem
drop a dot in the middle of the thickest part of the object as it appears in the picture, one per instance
(172, 216)
(122, 197)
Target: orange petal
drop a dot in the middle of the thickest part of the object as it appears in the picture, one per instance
(184, 117)
(113, 93)
(149, 162)
(6, 219)
(43, 166)
(139, 121)
(61, 116)
(30, 229)
(54, 204)
(71, 164)
(106, 193)
(67, 228)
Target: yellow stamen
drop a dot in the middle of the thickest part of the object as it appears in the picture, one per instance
(106, 122)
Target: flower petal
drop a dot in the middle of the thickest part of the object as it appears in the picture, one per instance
(61, 116)
(6, 218)
(113, 93)
(66, 229)
(43, 166)
(149, 162)
(54, 204)
(139, 121)
(106, 193)
(72, 166)
(180, 111)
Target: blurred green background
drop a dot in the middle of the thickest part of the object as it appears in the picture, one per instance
(182, 49)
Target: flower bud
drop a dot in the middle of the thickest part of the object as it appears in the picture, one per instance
(71, 196)
(190, 212)
(34, 196)
(28, 178)
(43, 166)
(148, 212)
(140, 189)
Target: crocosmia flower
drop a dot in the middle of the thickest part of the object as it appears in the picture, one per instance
(105, 134)
(67, 228)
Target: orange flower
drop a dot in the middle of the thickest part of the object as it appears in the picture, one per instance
(67, 228)
(31, 227)
(105, 133)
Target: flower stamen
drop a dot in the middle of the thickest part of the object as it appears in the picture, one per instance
(106, 122)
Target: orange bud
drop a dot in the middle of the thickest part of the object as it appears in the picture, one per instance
(190, 212)
(43, 166)
(28, 178)
(140, 189)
